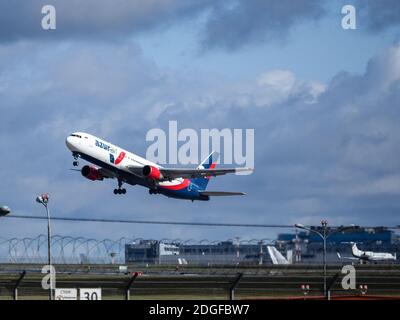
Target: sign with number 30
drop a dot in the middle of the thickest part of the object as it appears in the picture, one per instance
(90, 294)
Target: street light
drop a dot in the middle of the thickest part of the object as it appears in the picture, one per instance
(237, 249)
(4, 210)
(324, 235)
(44, 200)
(260, 262)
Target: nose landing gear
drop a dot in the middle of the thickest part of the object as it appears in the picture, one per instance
(76, 162)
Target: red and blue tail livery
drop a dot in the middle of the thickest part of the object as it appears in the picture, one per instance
(108, 161)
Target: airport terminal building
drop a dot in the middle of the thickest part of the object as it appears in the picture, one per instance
(224, 252)
(301, 247)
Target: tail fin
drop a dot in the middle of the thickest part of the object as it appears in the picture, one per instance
(356, 252)
(208, 163)
(276, 256)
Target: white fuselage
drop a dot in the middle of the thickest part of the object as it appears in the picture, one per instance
(101, 153)
(85, 143)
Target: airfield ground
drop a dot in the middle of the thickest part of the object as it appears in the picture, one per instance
(195, 282)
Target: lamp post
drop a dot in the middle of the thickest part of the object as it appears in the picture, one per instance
(324, 225)
(44, 200)
(237, 249)
(324, 236)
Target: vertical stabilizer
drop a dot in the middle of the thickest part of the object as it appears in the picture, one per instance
(208, 163)
(356, 252)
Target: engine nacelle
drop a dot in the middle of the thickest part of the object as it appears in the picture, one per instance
(91, 173)
(152, 173)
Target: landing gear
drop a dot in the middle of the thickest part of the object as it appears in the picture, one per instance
(120, 190)
(76, 162)
(153, 191)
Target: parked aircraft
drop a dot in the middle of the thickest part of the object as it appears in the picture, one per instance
(368, 255)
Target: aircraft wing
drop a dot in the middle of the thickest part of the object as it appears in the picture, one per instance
(107, 173)
(170, 174)
(221, 193)
(198, 173)
(346, 258)
(137, 171)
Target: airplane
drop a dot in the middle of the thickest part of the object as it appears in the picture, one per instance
(110, 161)
(368, 255)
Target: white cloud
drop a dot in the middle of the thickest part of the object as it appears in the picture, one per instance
(281, 81)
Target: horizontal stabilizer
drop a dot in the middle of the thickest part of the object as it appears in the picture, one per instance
(221, 193)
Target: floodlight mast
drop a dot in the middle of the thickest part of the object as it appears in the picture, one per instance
(44, 200)
(325, 235)
(324, 224)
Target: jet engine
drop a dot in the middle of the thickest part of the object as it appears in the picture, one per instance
(91, 173)
(152, 173)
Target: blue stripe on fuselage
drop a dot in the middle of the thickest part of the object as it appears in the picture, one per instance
(191, 192)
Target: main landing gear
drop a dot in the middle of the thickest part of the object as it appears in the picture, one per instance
(153, 191)
(120, 190)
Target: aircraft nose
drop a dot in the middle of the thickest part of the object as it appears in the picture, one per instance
(70, 143)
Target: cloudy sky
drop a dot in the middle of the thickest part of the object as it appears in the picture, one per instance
(323, 101)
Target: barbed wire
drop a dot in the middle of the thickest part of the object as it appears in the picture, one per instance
(68, 249)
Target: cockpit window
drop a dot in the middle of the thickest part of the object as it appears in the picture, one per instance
(76, 135)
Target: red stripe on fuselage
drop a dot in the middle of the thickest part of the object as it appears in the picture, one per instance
(120, 158)
(180, 186)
